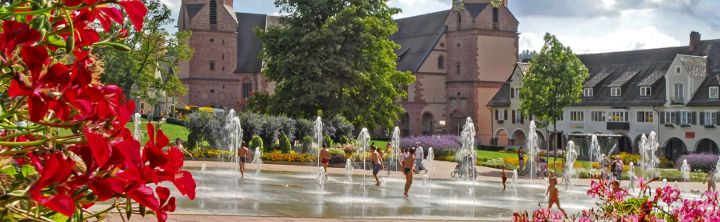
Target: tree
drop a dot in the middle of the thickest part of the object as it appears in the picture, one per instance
(152, 50)
(553, 82)
(335, 56)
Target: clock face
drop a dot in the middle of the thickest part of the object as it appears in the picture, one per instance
(458, 5)
(496, 3)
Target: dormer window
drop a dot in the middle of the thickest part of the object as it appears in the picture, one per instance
(714, 92)
(587, 92)
(615, 91)
(645, 91)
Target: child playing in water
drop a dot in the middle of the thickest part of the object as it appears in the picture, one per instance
(325, 158)
(711, 180)
(408, 169)
(243, 156)
(553, 191)
(504, 177)
(377, 163)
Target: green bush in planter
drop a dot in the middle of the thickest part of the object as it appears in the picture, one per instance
(256, 141)
(285, 144)
(343, 140)
(307, 144)
(327, 141)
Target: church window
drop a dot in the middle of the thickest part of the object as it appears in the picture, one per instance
(212, 65)
(213, 12)
(247, 88)
(459, 20)
(441, 62)
(495, 18)
(457, 68)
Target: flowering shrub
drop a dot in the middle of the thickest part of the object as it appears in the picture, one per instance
(437, 142)
(616, 204)
(50, 81)
(628, 157)
(288, 157)
(212, 153)
(699, 161)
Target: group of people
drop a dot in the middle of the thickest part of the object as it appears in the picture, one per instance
(612, 168)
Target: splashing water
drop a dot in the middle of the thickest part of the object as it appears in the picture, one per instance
(233, 136)
(631, 176)
(363, 142)
(203, 167)
(136, 133)
(514, 182)
(717, 170)
(257, 160)
(644, 153)
(426, 183)
(652, 146)
(318, 138)
(466, 154)
(429, 160)
(570, 159)
(532, 145)
(395, 143)
(685, 169)
(348, 170)
(595, 152)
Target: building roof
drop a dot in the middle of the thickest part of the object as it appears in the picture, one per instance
(702, 97)
(417, 36)
(632, 69)
(193, 9)
(475, 8)
(248, 44)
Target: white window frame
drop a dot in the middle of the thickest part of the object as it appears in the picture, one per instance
(645, 91)
(577, 116)
(597, 116)
(615, 91)
(670, 117)
(588, 92)
(647, 117)
(684, 118)
(712, 95)
(618, 116)
(710, 118)
(682, 91)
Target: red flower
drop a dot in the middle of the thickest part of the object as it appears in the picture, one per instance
(136, 11)
(56, 169)
(14, 34)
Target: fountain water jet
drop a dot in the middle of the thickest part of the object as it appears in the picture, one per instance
(395, 143)
(595, 152)
(233, 136)
(514, 182)
(466, 154)
(137, 121)
(651, 147)
(363, 142)
(257, 160)
(570, 159)
(348, 170)
(532, 145)
(685, 169)
(319, 139)
(631, 176)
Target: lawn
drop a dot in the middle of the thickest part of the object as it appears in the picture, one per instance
(172, 131)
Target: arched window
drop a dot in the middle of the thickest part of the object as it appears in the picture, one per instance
(441, 62)
(247, 88)
(213, 12)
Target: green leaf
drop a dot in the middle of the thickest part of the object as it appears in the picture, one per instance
(58, 217)
(18, 193)
(56, 40)
(27, 170)
(128, 208)
(10, 171)
(115, 45)
(143, 210)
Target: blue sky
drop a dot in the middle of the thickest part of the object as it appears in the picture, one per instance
(587, 26)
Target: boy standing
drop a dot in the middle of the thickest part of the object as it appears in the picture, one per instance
(409, 168)
(377, 163)
(504, 177)
(553, 191)
(325, 158)
(243, 156)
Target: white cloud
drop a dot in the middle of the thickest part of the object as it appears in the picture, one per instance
(418, 7)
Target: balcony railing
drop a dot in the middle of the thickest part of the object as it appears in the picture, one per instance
(618, 126)
(677, 100)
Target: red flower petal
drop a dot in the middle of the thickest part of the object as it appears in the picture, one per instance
(34, 57)
(136, 11)
(18, 89)
(20, 32)
(72, 2)
(185, 184)
(60, 202)
(162, 140)
(100, 148)
(144, 195)
(113, 13)
(37, 107)
(163, 194)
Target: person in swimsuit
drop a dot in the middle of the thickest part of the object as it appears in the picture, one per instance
(243, 156)
(504, 177)
(553, 191)
(711, 180)
(377, 163)
(388, 151)
(409, 168)
(178, 144)
(325, 158)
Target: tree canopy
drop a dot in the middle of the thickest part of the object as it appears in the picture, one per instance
(553, 82)
(334, 56)
(152, 49)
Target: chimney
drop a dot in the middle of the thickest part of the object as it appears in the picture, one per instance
(694, 41)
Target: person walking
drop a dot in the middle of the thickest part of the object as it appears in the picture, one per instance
(619, 169)
(419, 154)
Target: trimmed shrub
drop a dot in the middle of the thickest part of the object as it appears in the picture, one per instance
(491, 148)
(699, 161)
(327, 141)
(307, 144)
(256, 141)
(438, 143)
(285, 144)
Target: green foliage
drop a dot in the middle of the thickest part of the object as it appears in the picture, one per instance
(255, 142)
(327, 141)
(307, 144)
(153, 51)
(203, 127)
(285, 144)
(343, 140)
(334, 56)
(553, 82)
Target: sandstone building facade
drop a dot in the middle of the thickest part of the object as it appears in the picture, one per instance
(460, 58)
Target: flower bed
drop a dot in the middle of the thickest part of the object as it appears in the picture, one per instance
(437, 142)
(699, 161)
